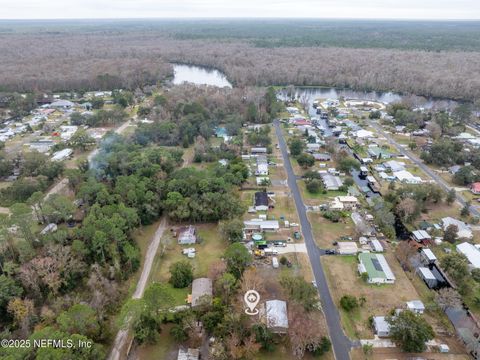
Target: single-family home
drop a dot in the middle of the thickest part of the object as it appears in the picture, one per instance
(201, 291)
(276, 316)
(258, 150)
(262, 165)
(311, 148)
(261, 225)
(471, 252)
(381, 326)
(62, 154)
(416, 306)
(349, 202)
(464, 230)
(262, 180)
(322, 157)
(261, 201)
(376, 245)
(336, 205)
(66, 132)
(62, 104)
(41, 145)
(331, 182)
(394, 165)
(475, 188)
(188, 354)
(187, 235)
(421, 236)
(377, 152)
(361, 225)
(347, 248)
(405, 176)
(376, 267)
(454, 169)
(363, 134)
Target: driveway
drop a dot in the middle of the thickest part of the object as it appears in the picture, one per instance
(340, 343)
(292, 248)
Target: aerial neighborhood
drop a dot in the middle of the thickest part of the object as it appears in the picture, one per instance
(176, 210)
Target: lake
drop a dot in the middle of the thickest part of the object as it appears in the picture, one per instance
(199, 76)
(205, 76)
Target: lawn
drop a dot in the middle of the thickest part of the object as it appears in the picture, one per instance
(209, 250)
(326, 232)
(320, 197)
(343, 279)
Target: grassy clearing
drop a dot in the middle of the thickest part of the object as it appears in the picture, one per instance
(380, 299)
(326, 232)
(208, 251)
(320, 197)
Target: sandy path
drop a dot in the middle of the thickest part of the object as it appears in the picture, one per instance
(122, 338)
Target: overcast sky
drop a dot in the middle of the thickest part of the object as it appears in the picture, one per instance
(391, 9)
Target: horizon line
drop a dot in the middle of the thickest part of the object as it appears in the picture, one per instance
(239, 18)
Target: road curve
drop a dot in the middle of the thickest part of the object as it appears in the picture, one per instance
(340, 343)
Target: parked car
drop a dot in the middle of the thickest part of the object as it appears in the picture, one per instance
(279, 244)
(330, 252)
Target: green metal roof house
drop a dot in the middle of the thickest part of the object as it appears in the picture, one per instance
(377, 268)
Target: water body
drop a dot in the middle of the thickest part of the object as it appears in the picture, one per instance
(199, 76)
(312, 93)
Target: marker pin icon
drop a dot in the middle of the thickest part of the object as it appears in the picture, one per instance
(251, 298)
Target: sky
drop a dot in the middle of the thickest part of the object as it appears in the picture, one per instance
(364, 9)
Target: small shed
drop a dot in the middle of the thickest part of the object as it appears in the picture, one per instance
(427, 276)
(376, 245)
(201, 291)
(381, 326)
(188, 354)
(276, 316)
(428, 256)
(416, 306)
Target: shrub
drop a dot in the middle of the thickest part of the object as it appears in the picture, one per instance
(348, 302)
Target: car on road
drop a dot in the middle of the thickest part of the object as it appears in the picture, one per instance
(314, 283)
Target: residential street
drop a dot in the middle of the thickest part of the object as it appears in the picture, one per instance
(341, 344)
(438, 179)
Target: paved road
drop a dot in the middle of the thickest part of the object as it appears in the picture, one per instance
(341, 344)
(438, 179)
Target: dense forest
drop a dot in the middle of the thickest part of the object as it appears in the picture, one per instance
(128, 54)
